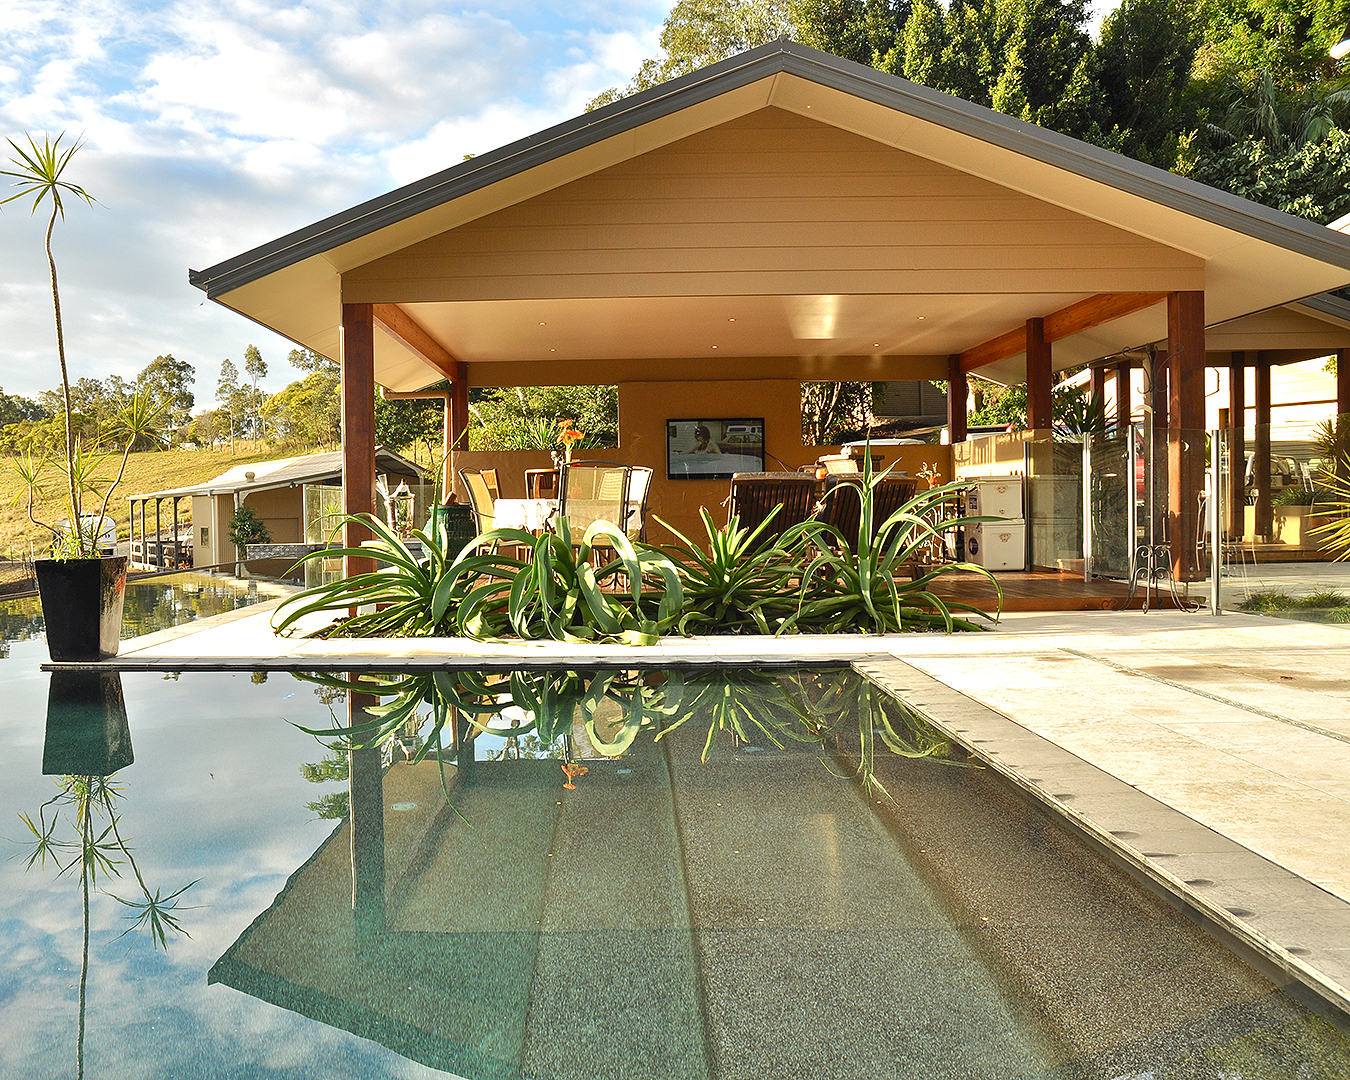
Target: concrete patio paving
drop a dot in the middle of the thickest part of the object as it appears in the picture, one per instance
(1210, 755)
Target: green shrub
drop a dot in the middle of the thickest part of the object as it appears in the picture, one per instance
(247, 528)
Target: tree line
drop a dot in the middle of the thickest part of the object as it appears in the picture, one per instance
(305, 415)
(1239, 94)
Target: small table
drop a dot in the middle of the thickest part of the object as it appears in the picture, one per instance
(529, 514)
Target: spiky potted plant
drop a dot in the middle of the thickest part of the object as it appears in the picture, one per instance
(81, 591)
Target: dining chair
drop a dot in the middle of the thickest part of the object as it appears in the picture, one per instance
(639, 487)
(755, 495)
(541, 483)
(591, 491)
(490, 479)
(481, 501)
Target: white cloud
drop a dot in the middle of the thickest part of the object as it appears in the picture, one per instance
(214, 125)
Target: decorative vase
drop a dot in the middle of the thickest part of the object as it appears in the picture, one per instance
(456, 519)
(82, 606)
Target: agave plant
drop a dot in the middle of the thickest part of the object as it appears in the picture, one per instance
(560, 594)
(739, 585)
(854, 584)
(412, 596)
(1335, 531)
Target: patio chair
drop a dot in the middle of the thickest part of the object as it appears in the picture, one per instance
(842, 504)
(639, 487)
(481, 499)
(755, 495)
(541, 483)
(591, 491)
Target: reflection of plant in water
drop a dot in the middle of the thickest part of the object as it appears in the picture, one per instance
(819, 707)
(88, 803)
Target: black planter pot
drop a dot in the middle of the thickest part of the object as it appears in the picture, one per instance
(82, 606)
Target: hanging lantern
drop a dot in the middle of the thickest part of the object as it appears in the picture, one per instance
(401, 509)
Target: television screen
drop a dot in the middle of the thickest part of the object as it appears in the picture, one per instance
(714, 449)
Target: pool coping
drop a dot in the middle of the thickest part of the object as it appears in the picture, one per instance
(1221, 876)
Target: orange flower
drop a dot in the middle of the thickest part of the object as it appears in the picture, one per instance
(572, 770)
(569, 433)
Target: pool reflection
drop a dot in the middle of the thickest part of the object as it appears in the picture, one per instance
(87, 730)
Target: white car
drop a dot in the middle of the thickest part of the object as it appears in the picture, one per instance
(102, 529)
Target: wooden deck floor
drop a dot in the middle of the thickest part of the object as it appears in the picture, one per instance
(1042, 590)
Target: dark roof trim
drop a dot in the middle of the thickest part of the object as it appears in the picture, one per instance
(1091, 162)
(1328, 304)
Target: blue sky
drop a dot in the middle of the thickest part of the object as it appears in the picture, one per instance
(213, 126)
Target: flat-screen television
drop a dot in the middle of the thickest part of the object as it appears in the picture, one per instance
(701, 449)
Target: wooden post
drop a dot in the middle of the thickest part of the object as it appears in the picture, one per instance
(358, 427)
(460, 408)
(1265, 514)
(1237, 444)
(365, 787)
(958, 394)
(1185, 427)
(1342, 413)
(1124, 406)
(1039, 407)
(1097, 394)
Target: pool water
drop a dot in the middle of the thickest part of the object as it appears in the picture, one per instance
(766, 912)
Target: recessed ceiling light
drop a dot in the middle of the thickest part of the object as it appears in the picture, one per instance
(553, 350)
(543, 324)
(714, 346)
(731, 320)
(876, 344)
(922, 317)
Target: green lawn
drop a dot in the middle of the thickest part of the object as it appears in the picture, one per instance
(153, 471)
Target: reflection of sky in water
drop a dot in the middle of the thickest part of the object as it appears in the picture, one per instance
(215, 793)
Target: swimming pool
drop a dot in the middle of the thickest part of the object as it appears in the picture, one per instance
(763, 913)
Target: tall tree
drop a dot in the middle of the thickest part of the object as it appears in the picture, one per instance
(1291, 38)
(256, 368)
(227, 393)
(169, 379)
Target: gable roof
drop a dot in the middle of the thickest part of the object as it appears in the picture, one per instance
(1253, 256)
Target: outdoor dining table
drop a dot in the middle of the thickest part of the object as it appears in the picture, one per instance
(529, 514)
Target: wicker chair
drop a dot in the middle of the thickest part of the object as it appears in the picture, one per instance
(843, 503)
(755, 495)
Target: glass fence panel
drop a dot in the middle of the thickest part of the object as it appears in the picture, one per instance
(1115, 464)
(1054, 504)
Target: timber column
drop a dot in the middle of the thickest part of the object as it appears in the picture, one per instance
(1040, 410)
(1185, 428)
(1342, 421)
(1265, 513)
(958, 395)
(1237, 444)
(358, 426)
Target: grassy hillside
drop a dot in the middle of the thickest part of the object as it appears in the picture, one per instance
(145, 472)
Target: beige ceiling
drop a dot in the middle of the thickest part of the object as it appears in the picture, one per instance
(789, 222)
